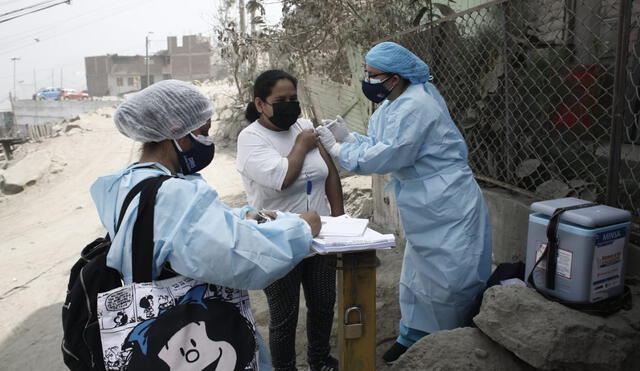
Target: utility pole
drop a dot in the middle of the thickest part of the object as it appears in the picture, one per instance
(146, 58)
(35, 91)
(243, 24)
(61, 81)
(14, 60)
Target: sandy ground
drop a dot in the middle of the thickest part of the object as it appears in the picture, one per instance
(44, 228)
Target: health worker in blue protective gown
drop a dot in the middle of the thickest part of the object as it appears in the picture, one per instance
(411, 135)
(198, 235)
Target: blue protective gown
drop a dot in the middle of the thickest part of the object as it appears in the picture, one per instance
(200, 236)
(447, 258)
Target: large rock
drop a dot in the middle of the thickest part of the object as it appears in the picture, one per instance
(26, 172)
(460, 349)
(550, 336)
(356, 192)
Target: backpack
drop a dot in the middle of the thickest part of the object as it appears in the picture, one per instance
(81, 346)
(163, 324)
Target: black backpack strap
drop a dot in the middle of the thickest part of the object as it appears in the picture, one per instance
(142, 258)
(132, 193)
(128, 198)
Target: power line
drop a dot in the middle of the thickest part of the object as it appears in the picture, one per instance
(36, 10)
(75, 28)
(3, 3)
(46, 28)
(27, 7)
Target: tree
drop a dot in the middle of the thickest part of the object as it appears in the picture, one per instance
(313, 35)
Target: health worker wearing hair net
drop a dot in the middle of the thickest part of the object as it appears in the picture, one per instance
(198, 235)
(411, 135)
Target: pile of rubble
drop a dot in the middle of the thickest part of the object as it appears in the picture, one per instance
(518, 329)
(32, 164)
(229, 122)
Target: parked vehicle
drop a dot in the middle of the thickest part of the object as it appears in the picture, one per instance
(73, 94)
(48, 93)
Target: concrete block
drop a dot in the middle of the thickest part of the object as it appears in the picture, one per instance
(509, 224)
(633, 261)
(385, 209)
(38, 112)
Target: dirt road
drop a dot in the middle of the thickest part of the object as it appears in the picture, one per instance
(44, 228)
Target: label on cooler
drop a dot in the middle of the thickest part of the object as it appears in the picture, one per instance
(607, 263)
(563, 263)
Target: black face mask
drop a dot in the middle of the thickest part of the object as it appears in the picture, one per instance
(376, 92)
(285, 114)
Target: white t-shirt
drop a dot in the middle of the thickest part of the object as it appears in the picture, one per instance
(262, 162)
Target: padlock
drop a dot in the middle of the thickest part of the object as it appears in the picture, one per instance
(352, 330)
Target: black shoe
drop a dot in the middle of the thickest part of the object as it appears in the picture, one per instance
(329, 364)
(392, 355)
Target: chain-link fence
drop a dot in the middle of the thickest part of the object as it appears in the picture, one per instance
(531, 84)
(629, 189)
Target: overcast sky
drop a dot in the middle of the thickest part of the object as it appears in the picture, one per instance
(55, 41)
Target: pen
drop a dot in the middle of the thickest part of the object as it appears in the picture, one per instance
(262, 217)
(309, 186)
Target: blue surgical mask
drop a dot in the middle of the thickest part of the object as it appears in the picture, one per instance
(198, 156)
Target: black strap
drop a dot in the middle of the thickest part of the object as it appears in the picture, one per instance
(551, 252)
(142, 256)
(129, 197)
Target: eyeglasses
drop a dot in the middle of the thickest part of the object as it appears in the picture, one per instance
(368, 77)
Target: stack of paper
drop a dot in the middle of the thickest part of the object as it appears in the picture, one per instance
(342, 226)
(344, 234)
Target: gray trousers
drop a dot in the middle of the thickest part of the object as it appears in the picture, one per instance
(318, 278)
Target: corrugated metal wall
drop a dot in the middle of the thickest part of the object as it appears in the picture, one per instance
(324, 99)
(329, 99)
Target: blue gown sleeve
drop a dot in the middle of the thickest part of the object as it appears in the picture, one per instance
(205, 240)
(241, 212)
(393, 146)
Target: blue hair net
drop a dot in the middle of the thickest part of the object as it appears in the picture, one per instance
(168, 109)
(391, 57)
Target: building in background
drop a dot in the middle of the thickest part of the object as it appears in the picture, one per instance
(191, 59)
(115, 74)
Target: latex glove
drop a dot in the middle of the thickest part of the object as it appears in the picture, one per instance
(340, 130)
(328, 141)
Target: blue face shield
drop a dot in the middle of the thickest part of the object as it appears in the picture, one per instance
(198, 156)
(375, 91)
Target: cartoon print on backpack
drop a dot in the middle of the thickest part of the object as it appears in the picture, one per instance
(121, 319)
(146, 303)
(114, 359)
(197, 334)
(164, 302)
(120, 303)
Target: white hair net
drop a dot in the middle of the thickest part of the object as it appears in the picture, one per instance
(169, 109)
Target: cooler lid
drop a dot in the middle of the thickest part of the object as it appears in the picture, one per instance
(595, 216)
